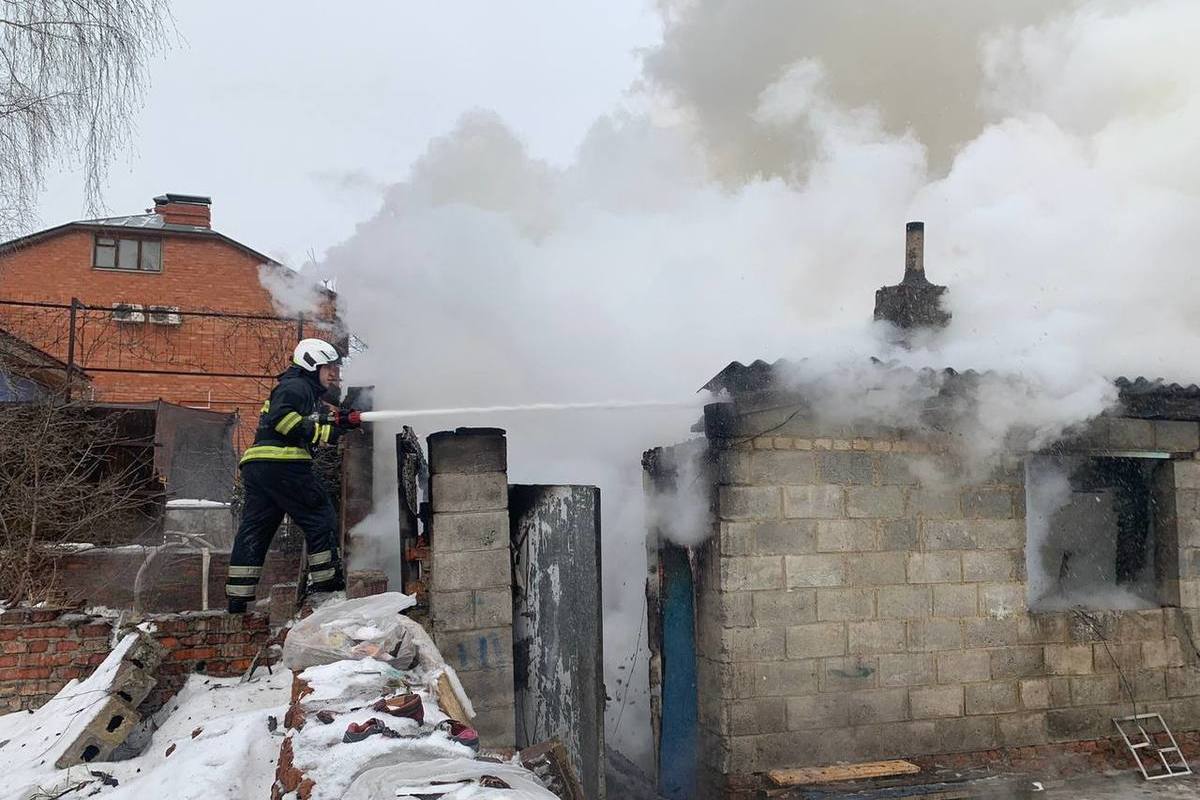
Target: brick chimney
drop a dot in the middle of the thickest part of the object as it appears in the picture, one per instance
(184, 209)
(914, 302)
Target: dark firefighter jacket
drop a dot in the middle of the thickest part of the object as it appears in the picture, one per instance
(288, 429)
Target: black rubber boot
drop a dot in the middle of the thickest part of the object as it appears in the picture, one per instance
(335, 584)
(238, 605)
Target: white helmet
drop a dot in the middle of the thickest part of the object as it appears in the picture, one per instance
(312, 353)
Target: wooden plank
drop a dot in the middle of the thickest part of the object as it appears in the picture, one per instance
(841, 772)
(448, 700)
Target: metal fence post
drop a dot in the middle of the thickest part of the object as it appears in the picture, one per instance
(75, 304)
(300, 326)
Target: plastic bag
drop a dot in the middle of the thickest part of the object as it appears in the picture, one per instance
(368, 627)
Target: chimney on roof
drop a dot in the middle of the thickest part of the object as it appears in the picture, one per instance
(914, 302)
(184, 209)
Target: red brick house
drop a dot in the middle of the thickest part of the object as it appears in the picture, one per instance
(165, 307)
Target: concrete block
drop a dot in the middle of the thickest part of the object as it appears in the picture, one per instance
(934, 504)
(933, 702)
(454, 492)
(876, 569)
(999, 534)
(108, 726)
(1002, 600)
(930, 635)
(1130, 434)
(785, 678)
(757, 716)
(1073, 724)
(479, 569)
(745, 573)
(875, 502)
(988, 504)
(904, 602)
(814, 502)
(483, 649)
(838, 605)
(1149, 685)
(749, 502)
(877, 705)
(847, 536)
(878, 636)
(845, 467)
(735, 609)
(991, 698)
(849, 674)
(815, 570)
(954, 534)
(733, 467)
(955, 599)
(1184, 682)
(991, 565)
(757, 644)
(985, 632)
(453, 611)
(489, 689)
(968, 734)
(493, 607)
(1125, 657)
(1034, 693)
(1093, 690)
(785, 607)
(783, 537)
(898, 534)
(1174, 436)
(1140, 626)
(1187, 474)
(736, 538)
(908, 669)
(484, 530)
(469, 451)
(1026, 729)
(1018, 662)
(782, 467)
(816, 641)
(934, 567)
(910, 738)
(964, 666)
(1068, 659)
(1162, 654)
(817, 711)
(1044, 628)
(497, 727)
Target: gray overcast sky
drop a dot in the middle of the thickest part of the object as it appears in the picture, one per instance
(266, 106)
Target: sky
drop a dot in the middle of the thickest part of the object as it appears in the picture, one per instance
(293, 119)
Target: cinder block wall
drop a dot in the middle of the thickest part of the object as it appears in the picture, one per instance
(851, 608)
(470, 596)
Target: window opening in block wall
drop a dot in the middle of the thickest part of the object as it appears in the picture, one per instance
(1090, 532)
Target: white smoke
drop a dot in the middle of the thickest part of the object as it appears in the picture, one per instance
(746, 202)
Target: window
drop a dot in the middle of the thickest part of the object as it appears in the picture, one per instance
(1092, 529)
(127, 253)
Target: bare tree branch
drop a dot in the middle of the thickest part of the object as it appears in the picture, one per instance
(72, 75)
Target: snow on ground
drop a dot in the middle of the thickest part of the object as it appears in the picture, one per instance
(232, 756)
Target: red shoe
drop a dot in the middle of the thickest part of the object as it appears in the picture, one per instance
(356, 732)
(463, 734)
(405, 705)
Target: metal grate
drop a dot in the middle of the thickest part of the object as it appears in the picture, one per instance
(1150, 733)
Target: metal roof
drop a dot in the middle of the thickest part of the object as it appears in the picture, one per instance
(1140, 396)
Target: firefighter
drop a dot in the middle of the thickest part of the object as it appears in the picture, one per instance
(277, 475)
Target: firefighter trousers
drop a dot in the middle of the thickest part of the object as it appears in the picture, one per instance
(272, 489)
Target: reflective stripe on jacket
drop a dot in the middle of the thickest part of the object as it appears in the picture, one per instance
(288, 429)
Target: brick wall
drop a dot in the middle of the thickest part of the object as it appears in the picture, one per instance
(850, 607)
(105, 577)
(42, 649)
(198, 272)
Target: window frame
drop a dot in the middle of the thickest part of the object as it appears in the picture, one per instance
(117, 239)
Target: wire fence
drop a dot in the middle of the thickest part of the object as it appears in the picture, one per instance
(204, 358)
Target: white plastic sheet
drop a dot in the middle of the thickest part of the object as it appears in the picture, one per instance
(417, 778)
(367, 627)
